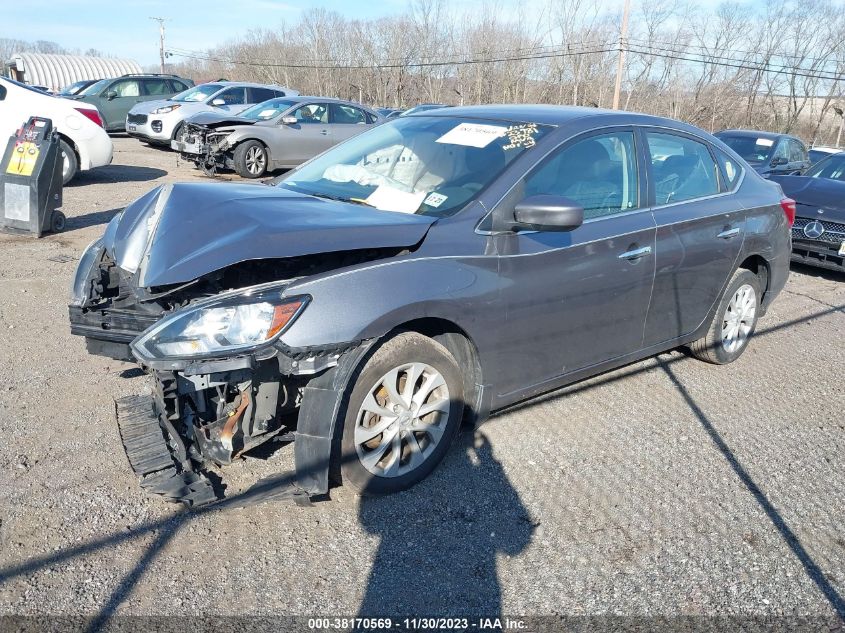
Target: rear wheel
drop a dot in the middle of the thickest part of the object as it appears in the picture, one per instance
(70, 164)
(251, 158)
(734, 322)
(405, 407)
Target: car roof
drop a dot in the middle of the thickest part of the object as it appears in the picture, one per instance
(755, 133)
(554, 115)
(246, 84)
(828, 150)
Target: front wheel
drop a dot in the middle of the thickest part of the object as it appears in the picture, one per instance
(404, 409)
(734, 322)
(251, 159)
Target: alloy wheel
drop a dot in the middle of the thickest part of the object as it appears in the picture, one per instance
(402, 419)
(739, 318)
(256, 160)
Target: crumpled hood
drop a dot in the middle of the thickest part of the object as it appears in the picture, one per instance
(179, 232)
(812, 194)
(215, 120)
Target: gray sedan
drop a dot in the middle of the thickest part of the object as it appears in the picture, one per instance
(434, 269)
(280, 133)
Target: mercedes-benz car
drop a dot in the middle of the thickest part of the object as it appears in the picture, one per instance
(420, 275)
(818, 235)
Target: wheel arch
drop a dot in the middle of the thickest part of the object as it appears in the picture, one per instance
(758, 265)
(463, 348)
(72, 145)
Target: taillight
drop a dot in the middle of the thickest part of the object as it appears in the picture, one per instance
(788, 206)
(93, 115)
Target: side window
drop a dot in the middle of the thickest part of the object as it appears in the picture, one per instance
(347, 114)
(126, 88)
(312, 113)
(599, 173)
(155, 87)
(260, 95)
(371, 118)
(232, 96)
(683, 169)
(731, 170)
(278, 93)
(177, 86)
(782, 150)
(2, 93)
(797, 153)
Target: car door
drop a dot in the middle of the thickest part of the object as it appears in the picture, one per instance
(700, 229)
(116, 101)
(231, 100)
(779, 162)
(575, 299)
(346, 121)
(309, 136)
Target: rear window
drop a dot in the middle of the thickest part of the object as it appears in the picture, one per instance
(753, 149)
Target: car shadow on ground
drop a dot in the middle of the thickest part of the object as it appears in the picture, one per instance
(116, 173)
(815, 271)
(90, 219)
(439, 540)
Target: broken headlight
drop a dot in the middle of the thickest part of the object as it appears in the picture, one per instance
(80, 289)
(236, 324)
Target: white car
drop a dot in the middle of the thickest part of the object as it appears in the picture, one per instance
(84, 142)
(160, 122)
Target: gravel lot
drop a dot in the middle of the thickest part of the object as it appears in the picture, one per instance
(669, 487)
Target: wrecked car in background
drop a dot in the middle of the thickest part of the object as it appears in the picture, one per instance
(431, 270)
(276, 134)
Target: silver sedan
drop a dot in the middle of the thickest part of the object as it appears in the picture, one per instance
(277, 134)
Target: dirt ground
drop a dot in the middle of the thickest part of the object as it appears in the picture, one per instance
(669, 487)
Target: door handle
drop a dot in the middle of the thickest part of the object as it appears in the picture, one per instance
(729, 233)
(636, 253)
(324, 132)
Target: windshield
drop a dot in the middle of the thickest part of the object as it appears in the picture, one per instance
(751, 148)
(427, 165)
(96, 87)
(832, 167)
(423, 108)
(267, 110)
(198, 93)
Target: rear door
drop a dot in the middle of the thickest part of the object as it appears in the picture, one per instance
(577, 298)
(700, 230)
(346, 121)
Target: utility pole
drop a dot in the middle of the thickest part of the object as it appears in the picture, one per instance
(623, 43)
(160, 40)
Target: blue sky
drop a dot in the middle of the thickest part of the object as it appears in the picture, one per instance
(122, 28)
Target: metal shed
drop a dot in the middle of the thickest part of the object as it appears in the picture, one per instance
(58, 71)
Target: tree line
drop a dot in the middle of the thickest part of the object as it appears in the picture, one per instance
(777, 65)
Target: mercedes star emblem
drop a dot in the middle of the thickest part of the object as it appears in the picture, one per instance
(813, 229)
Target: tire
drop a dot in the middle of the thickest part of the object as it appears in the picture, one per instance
(736, 314)
(58, 222)
(368, 462)
(70, 164)
(251, 159)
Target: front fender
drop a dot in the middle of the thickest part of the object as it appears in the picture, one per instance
(370, 300)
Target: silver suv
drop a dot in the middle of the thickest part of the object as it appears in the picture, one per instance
(161, 121)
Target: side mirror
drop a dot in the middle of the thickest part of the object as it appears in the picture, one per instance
(218, 102)
(780, 160)
(289, 120)
(111, 94)
(549, 213)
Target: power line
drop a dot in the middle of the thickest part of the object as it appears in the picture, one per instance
(604, 48)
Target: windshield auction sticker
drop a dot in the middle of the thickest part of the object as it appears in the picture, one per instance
(473, 134)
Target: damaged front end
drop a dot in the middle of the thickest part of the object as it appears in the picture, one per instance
(207, 324)
(206, 146)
